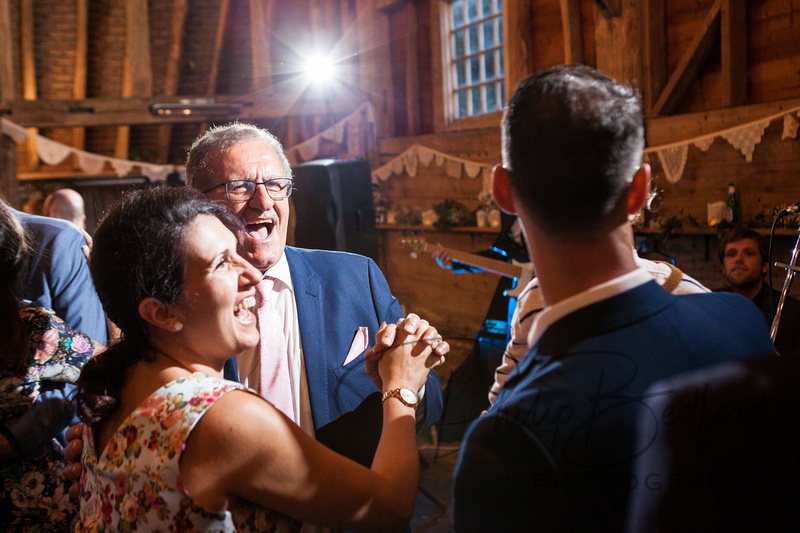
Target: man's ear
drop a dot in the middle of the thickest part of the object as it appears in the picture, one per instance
(501, 190)
(639, 189)
(158, 313)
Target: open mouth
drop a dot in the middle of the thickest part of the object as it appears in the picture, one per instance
(242, 310)
(260, 230)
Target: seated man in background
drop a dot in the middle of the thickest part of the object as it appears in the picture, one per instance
(556, 451)
(743, 257)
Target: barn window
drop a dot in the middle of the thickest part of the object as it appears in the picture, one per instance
(474, 71)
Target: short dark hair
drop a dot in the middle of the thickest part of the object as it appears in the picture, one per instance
(138, 252)
(217, 140)
(572, 141)
(740, 234)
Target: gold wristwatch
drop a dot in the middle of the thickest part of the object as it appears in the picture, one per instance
(407, 396)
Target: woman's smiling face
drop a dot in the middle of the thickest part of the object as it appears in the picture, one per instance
(218, 290)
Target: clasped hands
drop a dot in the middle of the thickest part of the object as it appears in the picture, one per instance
(421, 343)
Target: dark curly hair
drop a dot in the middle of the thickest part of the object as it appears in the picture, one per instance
(138, 253)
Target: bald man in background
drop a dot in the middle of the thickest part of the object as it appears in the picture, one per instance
(66, 204)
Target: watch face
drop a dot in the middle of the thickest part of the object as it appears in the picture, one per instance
(408, 396)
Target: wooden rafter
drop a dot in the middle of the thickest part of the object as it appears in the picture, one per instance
(260, 14)
(734, 53)
(177, 25)
(6, 57)
(29, 89)
(138, 75)
(681, 80)
(45, 113)
(79, 76)
(655, 56)
(573, 33)
(219, 38)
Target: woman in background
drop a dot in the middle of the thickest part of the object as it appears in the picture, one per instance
(167, 442)
(38, 352)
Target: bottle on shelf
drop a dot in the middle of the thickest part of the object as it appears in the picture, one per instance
(732, 206)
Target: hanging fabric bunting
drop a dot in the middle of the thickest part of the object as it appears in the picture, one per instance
(704, 143)
(425, 156)
(440, 158)
(454, 168)
(354, 146)
(15, 131)
(156, 172)
(673, 161)
(122, 166)
(745, 139)
(411, 161)
(789, 127)
(90, 163)
(397, 165)
(51, 152)
(472, 169)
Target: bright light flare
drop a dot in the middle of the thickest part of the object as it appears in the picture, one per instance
(319, 68)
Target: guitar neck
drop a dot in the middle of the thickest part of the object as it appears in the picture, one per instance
(494, 266)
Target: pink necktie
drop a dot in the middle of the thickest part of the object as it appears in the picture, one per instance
(275, 384)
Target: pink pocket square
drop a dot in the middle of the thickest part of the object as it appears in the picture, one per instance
(358, 345)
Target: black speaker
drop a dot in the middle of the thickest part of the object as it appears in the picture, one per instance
(333, 206)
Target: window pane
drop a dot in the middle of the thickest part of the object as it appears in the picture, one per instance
(502, 94)
(473, 40)
(477, 108)
(488, 34)
(458, 14)
(491, 98)
(487, 8)
(459, 36)
(462, 103)
(474, 69)
(461, 73)
(472, 10)
(499, 6)
(501, 71)
(499, 30)
(488, 66)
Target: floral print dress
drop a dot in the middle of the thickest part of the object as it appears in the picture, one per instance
(33, 493)
(133, 485)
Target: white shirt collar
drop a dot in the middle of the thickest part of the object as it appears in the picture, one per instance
(280, 271)
(551, 314)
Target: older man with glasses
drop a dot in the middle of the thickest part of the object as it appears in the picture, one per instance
(329, 304)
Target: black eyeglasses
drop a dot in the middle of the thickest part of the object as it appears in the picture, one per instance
(243, 190)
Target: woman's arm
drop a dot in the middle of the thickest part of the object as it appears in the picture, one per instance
(243, 448)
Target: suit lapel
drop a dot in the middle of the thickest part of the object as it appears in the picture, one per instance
(310, 317)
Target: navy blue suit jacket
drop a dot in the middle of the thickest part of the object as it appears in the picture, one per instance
(336, 293)
(58, 276)
(555, 452)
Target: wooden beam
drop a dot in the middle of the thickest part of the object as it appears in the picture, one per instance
(79, 75)
(92, 112)
(260, 15)
(517, 42)
(8, 170)
(610, 8)
(655, 50)
(179, 9)
(573, 32)
(412, 72)
(138, 74)
(734, 53)
(7, 79)
(667, 130)
(29, 89)
(699, 50)
(219, 38)
(616, 38)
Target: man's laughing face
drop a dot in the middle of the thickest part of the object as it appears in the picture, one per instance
(266, 220)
